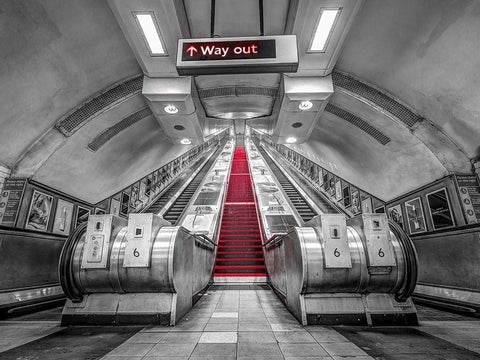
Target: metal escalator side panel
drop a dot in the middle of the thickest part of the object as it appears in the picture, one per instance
(65, 265)
(297, 243)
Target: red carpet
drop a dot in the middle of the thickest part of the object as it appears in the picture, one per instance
(240, 246)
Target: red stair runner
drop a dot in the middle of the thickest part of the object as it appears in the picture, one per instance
(240, 246)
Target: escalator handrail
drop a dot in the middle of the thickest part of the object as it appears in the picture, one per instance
(273, 240)
(64, 266)
(411, 262)
(206, 238)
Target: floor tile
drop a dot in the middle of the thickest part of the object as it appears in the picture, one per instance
(221, 327)
(225, 350)
(328, 336)
(218, 320)
(147, 337)
(343, 349)
(225, 315)
(181, 338)
(361, 357)
(250, 350)
(302, 350)
(308, 357)
(218, 337)
(129, 349)
(295, 337)
(257, 337)
(156, 329)
(172, 350)
(253, 327)
(286, 327)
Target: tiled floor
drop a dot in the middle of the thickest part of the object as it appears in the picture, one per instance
(244, 322)
(238, 324)
(17, 333)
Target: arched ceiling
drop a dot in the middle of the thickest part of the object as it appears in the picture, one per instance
(56, 56)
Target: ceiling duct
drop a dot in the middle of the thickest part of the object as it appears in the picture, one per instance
(302, 100)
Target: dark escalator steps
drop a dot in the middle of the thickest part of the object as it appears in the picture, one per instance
(301, 206)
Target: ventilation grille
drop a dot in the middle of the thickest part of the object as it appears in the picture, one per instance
(405, 115)
(237, 91)
(109, 133)
(80, 117)
(361, 124)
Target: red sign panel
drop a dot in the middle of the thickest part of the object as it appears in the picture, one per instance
(229, 50)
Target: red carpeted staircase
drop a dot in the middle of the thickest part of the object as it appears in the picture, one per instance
(240, 247)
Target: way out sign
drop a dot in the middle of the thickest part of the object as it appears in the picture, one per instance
(262, 54)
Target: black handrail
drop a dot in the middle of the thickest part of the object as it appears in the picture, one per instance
(65, 264)
(411, 262)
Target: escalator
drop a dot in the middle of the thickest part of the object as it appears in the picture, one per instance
(298, 201)
(303, 208)
(176, 209)
(240, 252)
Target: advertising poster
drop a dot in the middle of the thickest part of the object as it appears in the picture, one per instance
(415, 217)
(325, 182)
(395, 213)
(469, 190)
(367, 206)
(115, 207)
(39, 212)
(82, 215)
(10, 200)
(124, 204)
(356, 206)
(346, 196)
(134, 196)
(63, 218)
(338, 190)
(332, 186)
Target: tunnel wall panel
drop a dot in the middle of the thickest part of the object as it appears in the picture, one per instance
(450, 259)
(28, 259)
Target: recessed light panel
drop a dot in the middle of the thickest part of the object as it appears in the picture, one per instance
(324, 29)
(305, 105)
(291, 140)
(171, 109)
(149, 29)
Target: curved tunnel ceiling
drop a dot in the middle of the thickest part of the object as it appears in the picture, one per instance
(56, 56)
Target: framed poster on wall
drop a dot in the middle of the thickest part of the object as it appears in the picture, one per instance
(124, 202)
(356, 206)
(346, 196)
(439, 208)
(63, 218)
(338, 190)
(332, 186)
(115, 207)
(39, 212)
(326, 183)
(367, 206)
(415, 217)
(395, 214)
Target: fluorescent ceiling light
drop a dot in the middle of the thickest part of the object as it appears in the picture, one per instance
(150, 33)
(324, 29)
(291, 140)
